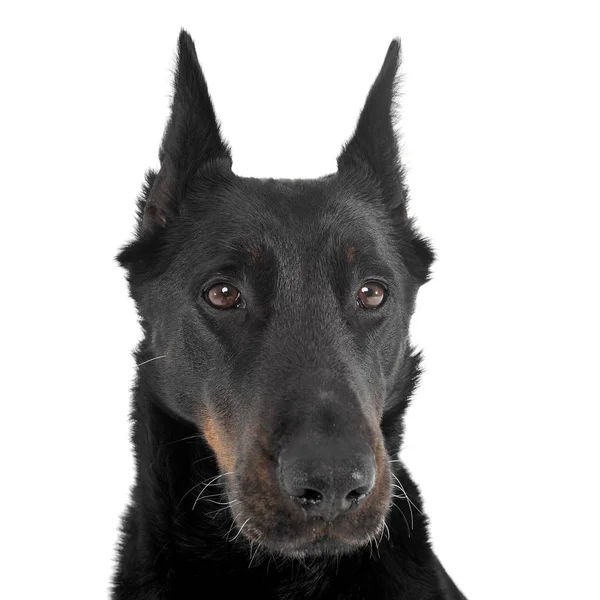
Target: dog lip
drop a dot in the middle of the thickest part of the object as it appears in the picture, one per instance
(322, 541)
(315, 536)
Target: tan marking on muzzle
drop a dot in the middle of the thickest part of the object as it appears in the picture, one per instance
(219, 441)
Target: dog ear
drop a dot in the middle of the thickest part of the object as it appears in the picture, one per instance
(191, 141)
(374, 148)
(374, 145)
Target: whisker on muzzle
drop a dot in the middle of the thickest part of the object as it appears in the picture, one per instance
(240, 530)
(408, 500)
(210, 482)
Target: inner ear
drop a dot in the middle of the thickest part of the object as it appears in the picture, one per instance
(160, 206)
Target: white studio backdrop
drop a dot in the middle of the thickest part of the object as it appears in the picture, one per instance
(500, 132)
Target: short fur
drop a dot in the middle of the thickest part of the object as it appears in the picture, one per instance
(220, 394)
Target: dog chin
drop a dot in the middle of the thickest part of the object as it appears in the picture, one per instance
(323, 547)
(311, 545)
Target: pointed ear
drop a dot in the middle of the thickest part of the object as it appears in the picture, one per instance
(374, 144)
(374, 148)
(191, 142)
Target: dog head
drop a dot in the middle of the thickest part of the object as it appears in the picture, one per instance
(281, 309)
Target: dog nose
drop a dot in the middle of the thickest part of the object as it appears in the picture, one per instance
(326, 480)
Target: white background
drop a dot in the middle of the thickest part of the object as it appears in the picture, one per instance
(501, 137)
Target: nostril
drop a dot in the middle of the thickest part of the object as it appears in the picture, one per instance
(329, 482)
(308, 497)
(358, 495)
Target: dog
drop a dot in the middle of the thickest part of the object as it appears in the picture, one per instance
(274, 371)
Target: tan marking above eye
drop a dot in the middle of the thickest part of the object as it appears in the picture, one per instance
(223, 296)
(371, 295)
(254, 256)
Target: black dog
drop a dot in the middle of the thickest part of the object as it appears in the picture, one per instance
(274, 371)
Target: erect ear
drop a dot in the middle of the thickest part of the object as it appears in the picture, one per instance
(191, 140)
(374, 145)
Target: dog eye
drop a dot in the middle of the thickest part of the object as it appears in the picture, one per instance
(371, 295)
(224, 296)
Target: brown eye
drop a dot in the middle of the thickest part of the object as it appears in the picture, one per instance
(224, 296)
(371, 295)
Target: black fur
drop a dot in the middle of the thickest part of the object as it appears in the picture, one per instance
(219, 393)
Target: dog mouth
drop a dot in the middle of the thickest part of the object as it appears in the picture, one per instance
(283, 525)
(315, 538)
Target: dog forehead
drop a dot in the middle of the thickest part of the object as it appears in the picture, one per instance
(302, 211)
(266, 224)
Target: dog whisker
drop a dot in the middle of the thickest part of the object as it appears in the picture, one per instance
(183, 497)
(230, 529)
(197, 485)
(230, 503)
(407, 497)
(215, 512)
(370, 543)
(202, 459)
(381, 532)
(210, 482)
(377, 541)
(253, 556)
(196, 436)
(240, 530)
(394, 505)
(412, 520)
(387, 529)
(217, 495)
(150, 360)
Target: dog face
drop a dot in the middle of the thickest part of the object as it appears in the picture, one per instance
(282, 309)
